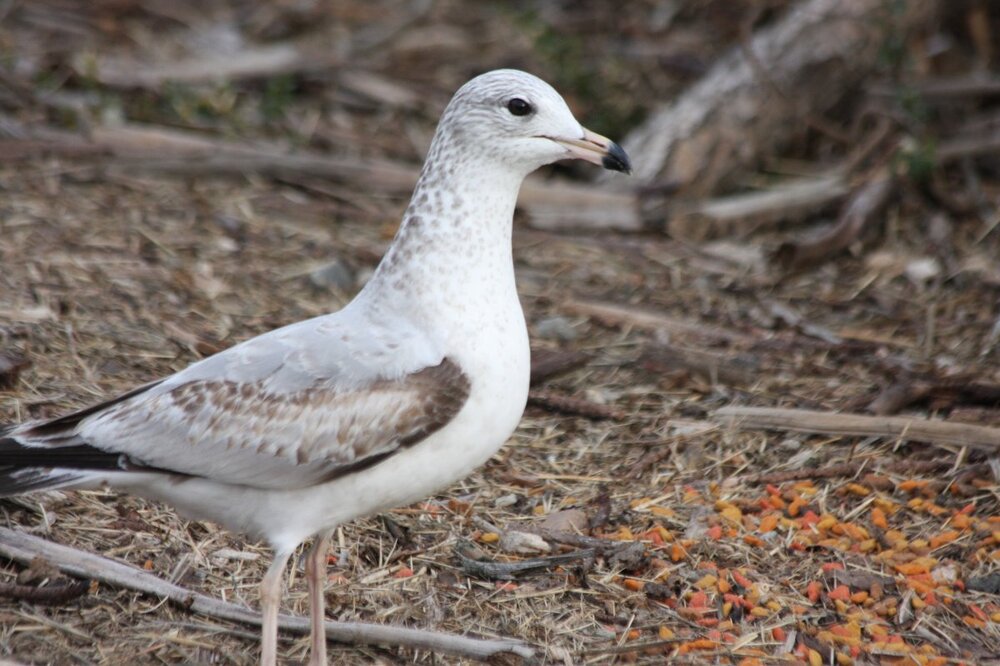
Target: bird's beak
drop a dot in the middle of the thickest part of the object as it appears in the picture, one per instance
(597, 149)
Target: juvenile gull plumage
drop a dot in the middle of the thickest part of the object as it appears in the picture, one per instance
(411, 386)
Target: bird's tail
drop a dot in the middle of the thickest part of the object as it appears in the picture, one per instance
(50, 454)
(24, 469)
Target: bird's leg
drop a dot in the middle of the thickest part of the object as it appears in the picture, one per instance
(316, 575)
(270, 599)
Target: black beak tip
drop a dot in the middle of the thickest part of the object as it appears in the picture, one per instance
(617, 159)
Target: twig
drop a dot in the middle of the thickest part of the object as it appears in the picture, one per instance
(970, 145)
(511, 570)
(738, 213)
(254, 62)
(897, 396)
(664, 449)
(566, 404)
(851, 469)
(50, 594)
(600, 546)
(632, 647)
(863, 206)
(24, 547)
(621, 315)
(857, 425)
(939, 394)
(547, 364)
(943, 88)
(740, 370)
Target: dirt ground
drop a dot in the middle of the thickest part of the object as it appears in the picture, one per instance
(711, 542)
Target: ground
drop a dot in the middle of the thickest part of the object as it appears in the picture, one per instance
(703, 541)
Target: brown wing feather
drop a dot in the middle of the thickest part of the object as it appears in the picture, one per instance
(242, 433)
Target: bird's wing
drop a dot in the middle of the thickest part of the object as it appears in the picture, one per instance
(288, 409)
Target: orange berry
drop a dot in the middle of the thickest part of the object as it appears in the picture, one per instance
(878, 519)
(768, 523)
(841, 592)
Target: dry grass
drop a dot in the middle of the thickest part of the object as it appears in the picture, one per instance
(110, 279)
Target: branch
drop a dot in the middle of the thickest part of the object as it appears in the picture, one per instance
(556, 402)
(832, 423)
(736, 213)
(24, 547)
(814, 54)
(623, 315)
(865, 205)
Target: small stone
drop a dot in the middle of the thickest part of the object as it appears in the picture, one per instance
(566, 520)
(335, 275)
(556, 328)
(921, 270)
(503, 501)
(523, 543)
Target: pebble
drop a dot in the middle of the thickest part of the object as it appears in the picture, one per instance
(335, 274)
(556, 328)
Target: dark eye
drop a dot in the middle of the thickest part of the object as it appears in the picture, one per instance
(519, 107)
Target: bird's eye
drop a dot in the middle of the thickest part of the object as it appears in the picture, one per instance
(519, 107)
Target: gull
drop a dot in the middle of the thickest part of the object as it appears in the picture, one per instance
(411, 386)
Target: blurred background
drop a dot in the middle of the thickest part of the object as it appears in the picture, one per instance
(812, 224)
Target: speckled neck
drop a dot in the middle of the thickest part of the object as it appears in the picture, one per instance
(453, 249)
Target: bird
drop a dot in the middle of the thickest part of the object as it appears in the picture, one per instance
(408, 388)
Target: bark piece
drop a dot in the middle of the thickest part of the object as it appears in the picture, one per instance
(812, 56)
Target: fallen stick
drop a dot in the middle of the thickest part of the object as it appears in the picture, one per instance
(623, 315)
(857, 425)
(864, 206)
(24, 547)
(566, 404)
(945, 89)
(973, 145)
(852, 469)
(738, 213)
(491, 570)
(715, 368)
(546, 364)
(50, 594)
(253, 62)
(941, 393)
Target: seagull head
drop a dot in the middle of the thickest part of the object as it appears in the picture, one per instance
(517, 118)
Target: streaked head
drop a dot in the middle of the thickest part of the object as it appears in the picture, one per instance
(520, 119)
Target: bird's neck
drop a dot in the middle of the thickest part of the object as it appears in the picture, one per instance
(453, 249)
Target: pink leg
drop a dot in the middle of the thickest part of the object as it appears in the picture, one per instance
(316, 575)
(270, 599)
